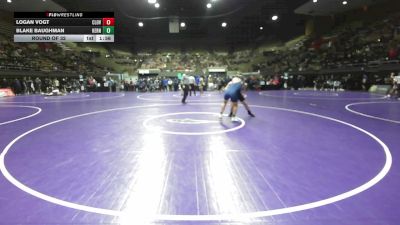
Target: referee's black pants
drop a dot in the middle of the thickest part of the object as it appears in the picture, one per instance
(185, 92)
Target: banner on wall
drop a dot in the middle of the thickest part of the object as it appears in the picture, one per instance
(6, 92)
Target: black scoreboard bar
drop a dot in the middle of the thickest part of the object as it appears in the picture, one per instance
(58, 22)
(64, 26)
(59, 30)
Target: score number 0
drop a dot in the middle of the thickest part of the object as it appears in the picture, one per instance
(108, 21)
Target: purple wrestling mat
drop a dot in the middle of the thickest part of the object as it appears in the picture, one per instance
(307, 158)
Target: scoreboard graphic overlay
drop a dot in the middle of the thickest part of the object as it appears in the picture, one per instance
(64, 26)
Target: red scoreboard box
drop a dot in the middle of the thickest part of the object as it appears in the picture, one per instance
(108, 21)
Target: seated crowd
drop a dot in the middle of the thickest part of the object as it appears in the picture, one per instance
(359, 45)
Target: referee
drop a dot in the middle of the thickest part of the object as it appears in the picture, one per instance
(185, 87)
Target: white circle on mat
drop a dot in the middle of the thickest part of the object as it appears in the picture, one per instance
(317, 94)
(220, 217)
(197, 95)
(22, 118)
(348, 108)
(66, 97)
(146, 124)
(333, 98)
(84, 99)
(147, 97)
